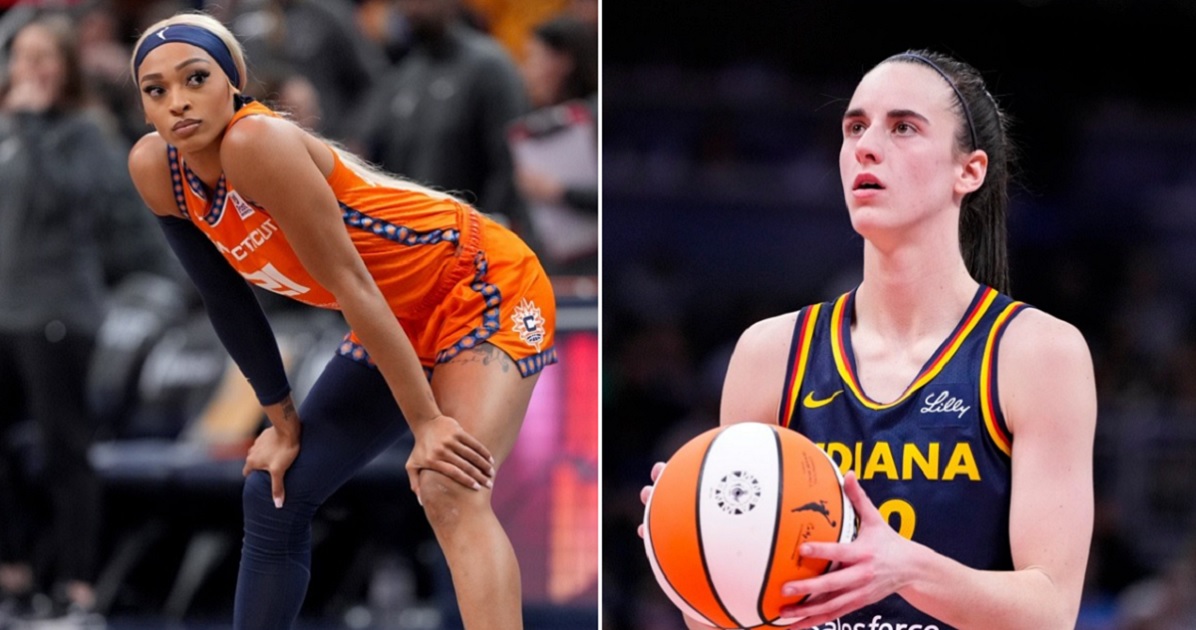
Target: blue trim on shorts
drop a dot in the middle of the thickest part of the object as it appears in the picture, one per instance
(536, 362)
(490, 317)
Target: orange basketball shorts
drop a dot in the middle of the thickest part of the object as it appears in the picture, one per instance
(503, 297)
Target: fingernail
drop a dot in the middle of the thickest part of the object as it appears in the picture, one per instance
(788, 591)
(490, 484)
(421, 501)
(805, 550)
(277, 502)
(477, 486)
(491, 471)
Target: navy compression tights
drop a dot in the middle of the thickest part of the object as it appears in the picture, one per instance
(348, 417)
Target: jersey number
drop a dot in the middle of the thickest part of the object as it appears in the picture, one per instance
(906, 519)
(271, 279)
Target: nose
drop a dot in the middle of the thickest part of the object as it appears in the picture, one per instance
(868, 145)
(179, 103)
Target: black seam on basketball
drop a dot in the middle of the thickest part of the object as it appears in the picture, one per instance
(673, 587)
(776, 527)
(698, 523)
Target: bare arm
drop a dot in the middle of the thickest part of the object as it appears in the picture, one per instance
(756, 372)
(268, 160)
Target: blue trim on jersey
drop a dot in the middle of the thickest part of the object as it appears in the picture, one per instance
(180, 172)
(398, 233)
(176, 179)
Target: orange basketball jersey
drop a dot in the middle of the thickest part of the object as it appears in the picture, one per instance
(453, 277)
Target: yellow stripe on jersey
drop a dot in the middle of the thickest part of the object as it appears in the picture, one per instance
(810, 319)
(929, 373)
(988, 406)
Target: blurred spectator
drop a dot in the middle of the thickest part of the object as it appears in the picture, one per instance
(511, 21)
(317, 40)
(440, 115)
(586, 11)
(556, 145)
(70, 226)
(104, 58)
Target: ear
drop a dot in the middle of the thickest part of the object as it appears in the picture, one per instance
(971, 177)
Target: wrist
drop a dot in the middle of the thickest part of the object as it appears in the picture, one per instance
(284, 418)
(917, 560)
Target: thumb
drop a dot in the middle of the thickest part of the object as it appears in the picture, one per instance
(276, 488)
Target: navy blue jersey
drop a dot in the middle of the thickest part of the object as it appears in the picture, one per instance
(935, 461)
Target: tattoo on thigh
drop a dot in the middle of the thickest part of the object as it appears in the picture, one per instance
(488, 354)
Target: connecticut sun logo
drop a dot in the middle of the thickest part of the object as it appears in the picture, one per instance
(529, 323)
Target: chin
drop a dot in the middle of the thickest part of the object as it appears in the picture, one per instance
(868, 221)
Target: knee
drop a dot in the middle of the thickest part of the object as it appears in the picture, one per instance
(447, 503)
(257, 498)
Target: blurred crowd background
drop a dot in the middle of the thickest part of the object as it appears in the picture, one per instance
(722, 205)
(123, 423)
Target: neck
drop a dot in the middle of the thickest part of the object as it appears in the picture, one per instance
(205, 163)
(913, 289)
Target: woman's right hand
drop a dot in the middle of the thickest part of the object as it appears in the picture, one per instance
(443, 445)
(646, 492)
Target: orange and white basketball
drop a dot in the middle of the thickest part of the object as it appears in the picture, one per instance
(727, 515)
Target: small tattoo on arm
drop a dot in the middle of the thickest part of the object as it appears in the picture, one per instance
(288, 411)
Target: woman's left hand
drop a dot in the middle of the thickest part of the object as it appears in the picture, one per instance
(870, 568)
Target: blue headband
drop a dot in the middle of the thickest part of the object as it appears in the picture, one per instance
(196, 36)
(967, 112)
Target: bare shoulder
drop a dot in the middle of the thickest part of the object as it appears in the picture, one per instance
(767, 337)
(254, 137)
(1039, 341)
(756, 372)
(1045, 365)
(150, 170)
(259, 146)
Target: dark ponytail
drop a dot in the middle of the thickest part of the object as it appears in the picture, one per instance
(982, 217)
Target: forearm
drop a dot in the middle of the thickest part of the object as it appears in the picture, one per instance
(234, 312)
(284, 418)
(969, 598)
(370, 317)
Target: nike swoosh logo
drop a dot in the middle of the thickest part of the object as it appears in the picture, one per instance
(162, 34)
(813, 403)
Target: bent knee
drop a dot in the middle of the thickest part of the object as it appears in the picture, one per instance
(447, 502)
(257, 494)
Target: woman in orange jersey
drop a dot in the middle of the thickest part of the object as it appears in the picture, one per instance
(452, 318)
(963, 419)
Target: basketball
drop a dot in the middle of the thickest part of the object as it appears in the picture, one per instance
(726, 517)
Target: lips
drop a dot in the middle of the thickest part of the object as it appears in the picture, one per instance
(185, 128)
(866, 181)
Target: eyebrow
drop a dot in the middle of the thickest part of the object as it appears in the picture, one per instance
(892, 114)
(180, 66)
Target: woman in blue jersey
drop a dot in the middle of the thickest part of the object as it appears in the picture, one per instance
(964, 420)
